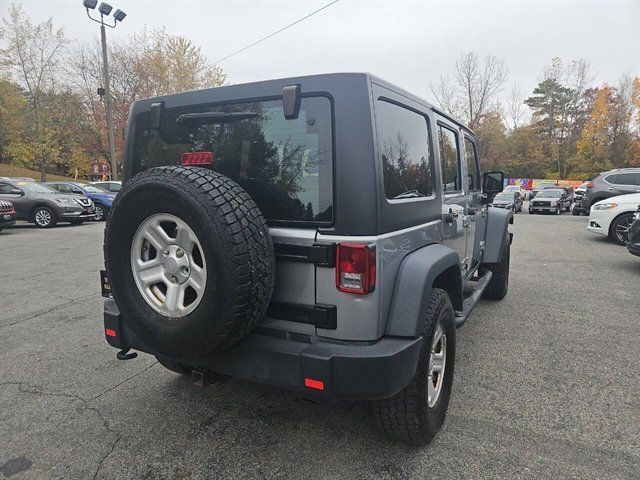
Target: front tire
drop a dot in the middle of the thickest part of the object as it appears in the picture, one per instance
(416, 414)
(619, 230)
(44, 217)
(101, 212)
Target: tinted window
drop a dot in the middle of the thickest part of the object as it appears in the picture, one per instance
(449, 160)
(6, 188)
(285, 165)
(403, 138)
(473, 172)
(624, 179)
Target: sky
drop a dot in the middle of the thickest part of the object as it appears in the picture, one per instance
(410, 43)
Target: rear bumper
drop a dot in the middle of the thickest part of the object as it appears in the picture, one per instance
(344, 371)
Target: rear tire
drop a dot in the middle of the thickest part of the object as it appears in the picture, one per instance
(499, 284)
(576, 211)
(416, 414)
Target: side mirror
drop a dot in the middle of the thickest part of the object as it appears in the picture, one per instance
(16, 191)
(492, 183)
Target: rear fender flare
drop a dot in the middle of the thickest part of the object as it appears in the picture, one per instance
(414, 282)
(498, 220)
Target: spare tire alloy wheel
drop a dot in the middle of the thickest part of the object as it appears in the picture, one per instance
(170, 273)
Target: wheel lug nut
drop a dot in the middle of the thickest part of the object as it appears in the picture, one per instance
(180, 253)
(185, 270)
(167, 252)
(174, 279)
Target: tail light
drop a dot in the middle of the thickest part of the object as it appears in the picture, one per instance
(590, 185)
(356, 268)
(196, 159)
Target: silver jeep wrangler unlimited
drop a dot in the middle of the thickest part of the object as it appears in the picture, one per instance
(324, 234)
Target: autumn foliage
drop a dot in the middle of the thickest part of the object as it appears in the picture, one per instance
(52, 119)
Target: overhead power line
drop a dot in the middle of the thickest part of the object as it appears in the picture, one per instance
(275, 33)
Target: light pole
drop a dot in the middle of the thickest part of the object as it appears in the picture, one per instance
(118, 16)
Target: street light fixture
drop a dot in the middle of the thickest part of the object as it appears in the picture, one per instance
(118, 16)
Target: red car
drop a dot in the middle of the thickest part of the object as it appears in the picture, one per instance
(7, 214)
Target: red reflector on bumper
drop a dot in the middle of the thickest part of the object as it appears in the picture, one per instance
(110, 332)
(315, 384)
(196, 158)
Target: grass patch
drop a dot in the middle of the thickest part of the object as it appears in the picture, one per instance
(15, 171)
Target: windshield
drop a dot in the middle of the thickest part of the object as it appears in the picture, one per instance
(91, 188)
(504, 196)
(286, 165)
(33, 187)
(549, 194)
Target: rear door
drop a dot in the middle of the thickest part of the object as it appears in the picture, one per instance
(474, 207)
(454, 198)
(624, 183)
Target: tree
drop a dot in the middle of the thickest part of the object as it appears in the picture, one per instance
(33, 54)
(147, 64)
(473, 87)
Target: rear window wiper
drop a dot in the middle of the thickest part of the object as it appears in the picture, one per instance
(409, 194)
(205, 118)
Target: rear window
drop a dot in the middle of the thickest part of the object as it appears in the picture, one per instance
(285, 165)
(403, 137)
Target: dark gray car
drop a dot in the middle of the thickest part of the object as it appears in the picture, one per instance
(616, 182)
(511, 200)
(44, 206)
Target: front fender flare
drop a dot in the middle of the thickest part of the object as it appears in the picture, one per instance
(413, 285)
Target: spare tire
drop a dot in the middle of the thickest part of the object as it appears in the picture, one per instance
(190, 260)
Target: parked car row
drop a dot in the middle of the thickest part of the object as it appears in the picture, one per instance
(50, 203)
(612, 200)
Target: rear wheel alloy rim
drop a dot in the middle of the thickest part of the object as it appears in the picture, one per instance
(437, 363)
(43, 218)
(99, 212)
(168, 265)
(622, 229)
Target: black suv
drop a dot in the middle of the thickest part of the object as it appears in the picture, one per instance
(611, 184)
(325, 234)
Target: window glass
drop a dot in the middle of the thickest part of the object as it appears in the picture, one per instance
(473, 172)
(6, 188)
(624, 179)
(62, 187)
(403, 138)
(449, 160)
(285, 165)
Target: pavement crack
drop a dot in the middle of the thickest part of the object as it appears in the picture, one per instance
(23, 387)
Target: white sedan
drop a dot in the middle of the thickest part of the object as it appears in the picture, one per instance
(613, 216)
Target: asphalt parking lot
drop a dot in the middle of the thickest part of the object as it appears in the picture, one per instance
(547, 382)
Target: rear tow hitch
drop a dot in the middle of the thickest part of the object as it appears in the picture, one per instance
(123, 355)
